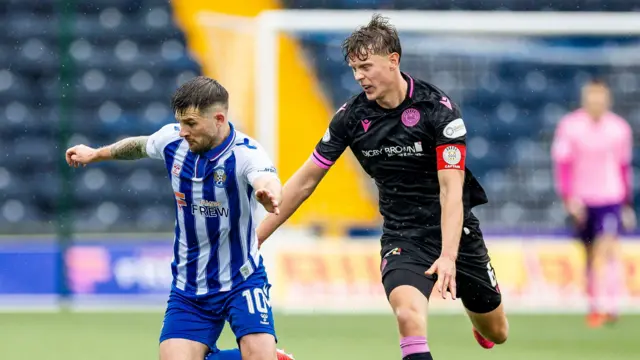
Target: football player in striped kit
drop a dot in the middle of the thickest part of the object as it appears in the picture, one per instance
(219, 178)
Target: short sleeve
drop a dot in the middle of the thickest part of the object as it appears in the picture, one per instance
(160, 139)
(335, 140)
(450, 135)
(255, 162)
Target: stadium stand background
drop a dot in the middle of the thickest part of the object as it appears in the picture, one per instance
(124, 61)
(511, 105)
(126, 57)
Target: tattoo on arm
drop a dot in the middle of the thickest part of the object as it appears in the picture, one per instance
(132, 148)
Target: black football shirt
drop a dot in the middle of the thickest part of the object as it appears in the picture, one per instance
(402, 149)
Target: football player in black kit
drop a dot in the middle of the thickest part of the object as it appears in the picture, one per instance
(410, 138)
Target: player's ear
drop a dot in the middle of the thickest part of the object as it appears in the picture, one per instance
(394, 61)
(219, 117)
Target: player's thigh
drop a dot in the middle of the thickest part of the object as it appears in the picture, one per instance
(189, 328)
(408, 293)
(476, 281)
(478, 286)
(479, 291)
(605, 225)
(182, 349)
(611, 228)
(251, 318)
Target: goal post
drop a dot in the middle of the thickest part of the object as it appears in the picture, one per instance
(272, 22)
(513, 74)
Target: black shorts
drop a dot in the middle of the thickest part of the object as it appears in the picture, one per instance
(404, 263)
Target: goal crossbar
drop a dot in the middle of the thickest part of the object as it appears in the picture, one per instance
(451, 22)
(270, 23)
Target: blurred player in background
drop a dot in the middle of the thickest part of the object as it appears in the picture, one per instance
(219, 176)
(410, 138)
(592, 152)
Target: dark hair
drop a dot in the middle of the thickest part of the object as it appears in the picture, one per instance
(200, 93)
(378, 37)
(597, 82)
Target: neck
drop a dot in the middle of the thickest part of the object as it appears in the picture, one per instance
(396, 94)
(595, 116)
(222, 135)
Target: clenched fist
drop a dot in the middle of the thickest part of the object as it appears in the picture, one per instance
(81, 155)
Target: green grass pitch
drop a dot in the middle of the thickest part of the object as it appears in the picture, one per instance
(133, 336)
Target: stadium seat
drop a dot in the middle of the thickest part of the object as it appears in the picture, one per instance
(511, 104)
(128, 58)
(473, 5)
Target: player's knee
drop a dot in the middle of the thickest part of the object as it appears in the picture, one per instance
(492, 325)
(182, 349)
(411, 320)
(499, 332)
(409, 306)
(258, 347)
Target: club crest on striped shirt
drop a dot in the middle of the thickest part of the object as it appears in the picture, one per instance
(219, 177)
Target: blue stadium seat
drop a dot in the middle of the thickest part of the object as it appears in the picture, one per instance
(473, 5)
(95, 6)
(636, 157)
(12, 184)
(22, 25)
(13, 87)
(129, 56)
(510, 106)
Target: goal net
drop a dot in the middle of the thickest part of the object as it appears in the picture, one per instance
(513, 74)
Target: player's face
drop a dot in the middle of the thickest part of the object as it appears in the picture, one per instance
(596, 100)
(200, 129)
(375, 73)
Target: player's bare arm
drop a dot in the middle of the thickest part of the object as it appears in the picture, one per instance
(131, 148)
(269, 192)
(451, 190)
(451, 185)
(295, 191)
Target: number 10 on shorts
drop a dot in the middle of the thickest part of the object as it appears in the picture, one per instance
(256, 299)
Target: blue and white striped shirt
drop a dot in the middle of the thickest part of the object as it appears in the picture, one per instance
(215, 246)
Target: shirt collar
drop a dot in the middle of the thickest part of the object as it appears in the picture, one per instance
(217, 151)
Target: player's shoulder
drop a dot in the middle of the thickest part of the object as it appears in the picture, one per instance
(249, 152)
(619, 121)
(172, 129)
(244, 145)
(165, 135)
(423, 90)
(351, 106)
(572, 120)
(431, 96)
(620, 127)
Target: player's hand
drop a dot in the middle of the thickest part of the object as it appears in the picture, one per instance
(268, 200)
(576, 210)
(445, 268)
(81, 155)
(629, 220)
